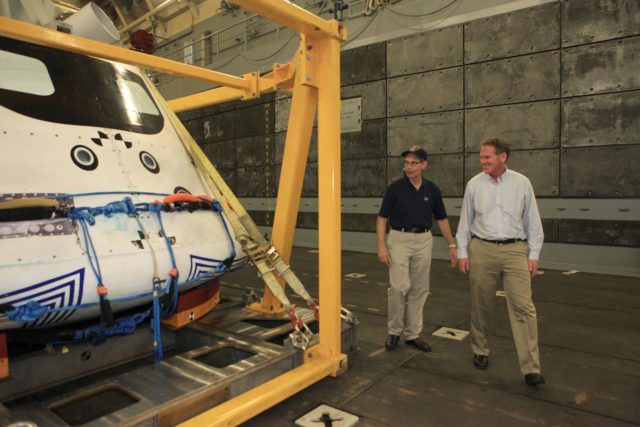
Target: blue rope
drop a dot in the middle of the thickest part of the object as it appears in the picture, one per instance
(123, 326)
(126, 325)
(28, 312)
(125, 206)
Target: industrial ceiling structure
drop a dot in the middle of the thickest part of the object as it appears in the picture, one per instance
(149, 15)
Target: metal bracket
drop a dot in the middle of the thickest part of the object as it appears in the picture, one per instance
(348, 316)
(301, 338)
(308, 62)
(283, 75)
(253, 91)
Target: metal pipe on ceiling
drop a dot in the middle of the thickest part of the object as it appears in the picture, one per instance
(146, 16)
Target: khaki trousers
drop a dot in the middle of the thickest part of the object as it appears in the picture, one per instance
(409, 272)
(490, 263)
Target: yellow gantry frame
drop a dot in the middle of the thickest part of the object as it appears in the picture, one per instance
(314, 77)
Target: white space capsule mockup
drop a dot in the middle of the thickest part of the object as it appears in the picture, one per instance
(97, 193)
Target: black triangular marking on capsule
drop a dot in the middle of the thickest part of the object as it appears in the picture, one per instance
(97, 141)
(127, 144)
(118, 137)
(102, 135)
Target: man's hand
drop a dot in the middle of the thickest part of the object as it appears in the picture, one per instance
(383, 255)
(463, 265)
(533, 267)
(453, 255)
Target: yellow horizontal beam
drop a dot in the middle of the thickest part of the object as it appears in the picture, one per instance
(261, 398)
(288, 14)
(279, 79)
(46, 37)
(203, 99)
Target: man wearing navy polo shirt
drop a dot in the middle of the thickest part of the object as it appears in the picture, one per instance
(409, 206)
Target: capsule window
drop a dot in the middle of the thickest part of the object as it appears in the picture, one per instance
(24, 74)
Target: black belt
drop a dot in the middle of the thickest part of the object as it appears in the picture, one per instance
(500, 242)
(410, 229)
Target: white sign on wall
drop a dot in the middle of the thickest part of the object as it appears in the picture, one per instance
(351, 115)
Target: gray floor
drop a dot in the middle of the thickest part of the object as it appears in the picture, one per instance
(589, 328)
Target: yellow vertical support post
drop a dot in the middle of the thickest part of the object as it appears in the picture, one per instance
(294, 162)
(329, 193)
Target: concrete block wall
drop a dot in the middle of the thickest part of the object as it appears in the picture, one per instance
(559, 82)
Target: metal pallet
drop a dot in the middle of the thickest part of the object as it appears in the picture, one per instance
(213, 360)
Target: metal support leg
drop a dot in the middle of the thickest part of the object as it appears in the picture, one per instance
(329, 194)
(294, 162)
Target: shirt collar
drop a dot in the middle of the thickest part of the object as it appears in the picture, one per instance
(408, 181)
(500, 178)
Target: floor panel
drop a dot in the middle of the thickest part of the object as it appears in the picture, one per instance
(589, 329)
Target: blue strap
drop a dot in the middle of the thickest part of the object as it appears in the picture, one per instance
(92, 256)
(155, 324)
(226, 264)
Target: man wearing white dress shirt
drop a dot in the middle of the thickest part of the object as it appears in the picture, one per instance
(499, 238)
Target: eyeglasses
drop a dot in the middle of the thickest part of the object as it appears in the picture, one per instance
(411, 163)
